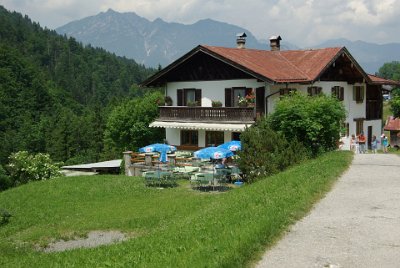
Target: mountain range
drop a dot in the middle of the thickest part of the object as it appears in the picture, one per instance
(157, 42)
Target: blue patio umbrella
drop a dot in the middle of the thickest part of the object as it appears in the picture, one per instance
(232, 146)
(161, 148)
(213, 153)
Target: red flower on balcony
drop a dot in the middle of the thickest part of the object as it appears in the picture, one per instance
(251, 98)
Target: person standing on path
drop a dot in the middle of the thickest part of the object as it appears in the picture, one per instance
(361, 141)
(374, 144)
(353, 142)
(385, 143)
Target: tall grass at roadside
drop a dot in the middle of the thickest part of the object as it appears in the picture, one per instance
(172, 227)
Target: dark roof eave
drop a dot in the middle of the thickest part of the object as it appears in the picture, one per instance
(151, 81)
(340, 53)
(237, 66)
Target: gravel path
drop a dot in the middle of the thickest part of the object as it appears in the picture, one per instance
(94, 239)
(356, 225)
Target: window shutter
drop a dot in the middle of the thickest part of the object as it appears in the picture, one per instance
(319, 90)
(309, 91)
(228, 97)
(341, 93)
(362, 93)
(333, 92)
(179, 97)
(184, 100)
(197, 97)
(354, 93)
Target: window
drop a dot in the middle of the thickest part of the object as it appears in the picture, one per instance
(236, 136)
(214, 138)
(359, 125)
(287, 91)
(237, 94)
(338, 92)
(189, 97)
(313, 91)
(232, 95)
(358, 94)
(189, 137)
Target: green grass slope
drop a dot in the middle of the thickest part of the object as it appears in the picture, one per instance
(175, 227)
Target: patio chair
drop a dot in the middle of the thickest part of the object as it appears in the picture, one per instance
(201, 180)
(159, 178)
(221, 175)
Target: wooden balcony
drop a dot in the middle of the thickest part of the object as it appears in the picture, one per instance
(207, 114)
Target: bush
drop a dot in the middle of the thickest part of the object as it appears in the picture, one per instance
(168, 101)
(266, 152)
(128, 128)
(24, 167)
(315, 121)
(4, 216)
(192, 103)
(216, 104)
(395, 102)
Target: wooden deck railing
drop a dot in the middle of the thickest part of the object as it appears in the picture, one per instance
(222, 114)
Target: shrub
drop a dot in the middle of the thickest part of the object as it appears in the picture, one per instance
(266, 152)
(315, 121)
(191, 103)
(216, 104)
(24, 167)
(128, 128)
(4, 216)
(168, 101)
(395, 102)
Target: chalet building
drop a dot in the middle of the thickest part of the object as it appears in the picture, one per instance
(225, 76)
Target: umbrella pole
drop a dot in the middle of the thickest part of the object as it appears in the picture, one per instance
(213, 181)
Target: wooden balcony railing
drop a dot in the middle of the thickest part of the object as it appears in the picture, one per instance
(210, 114)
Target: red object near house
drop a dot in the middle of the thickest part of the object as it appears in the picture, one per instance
(393, 126)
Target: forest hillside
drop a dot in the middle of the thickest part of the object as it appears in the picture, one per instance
(55, 93)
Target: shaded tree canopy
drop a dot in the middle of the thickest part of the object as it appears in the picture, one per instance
(315, 121)
(391, 70)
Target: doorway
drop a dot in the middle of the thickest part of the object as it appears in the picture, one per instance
(369, 136)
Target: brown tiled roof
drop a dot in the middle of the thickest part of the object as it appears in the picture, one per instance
(281, 66)
(382, 81)
(392, 124)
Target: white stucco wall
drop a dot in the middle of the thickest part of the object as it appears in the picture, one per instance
(173, 136)
(227, 136)
(210, 90)
(376, 129)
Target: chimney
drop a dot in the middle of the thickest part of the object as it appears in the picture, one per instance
(241, 40)
(275, 43)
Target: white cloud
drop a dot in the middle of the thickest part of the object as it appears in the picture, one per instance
(303, 22)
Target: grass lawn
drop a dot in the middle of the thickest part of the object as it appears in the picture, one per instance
(386, 111)
(175, 227)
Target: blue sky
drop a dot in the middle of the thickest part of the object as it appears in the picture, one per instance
(302, 22)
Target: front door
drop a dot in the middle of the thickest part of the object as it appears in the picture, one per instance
(369, 136)
(260, 101)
